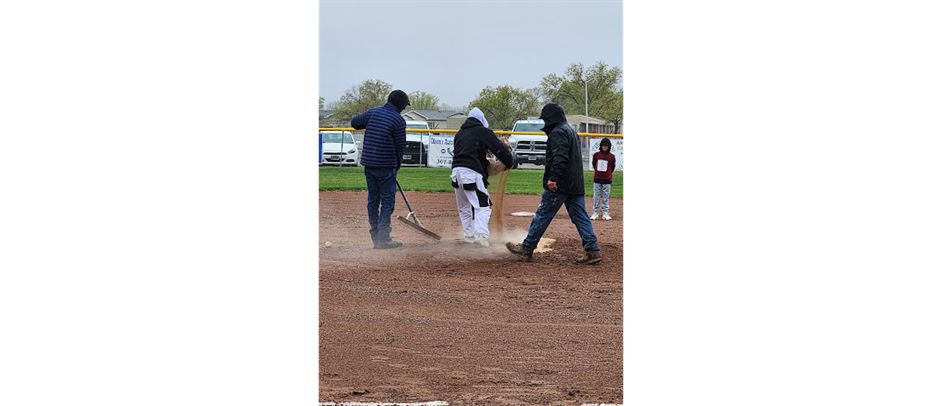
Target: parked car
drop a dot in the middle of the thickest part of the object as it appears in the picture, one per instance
(528, 148)
(416, 144)
(339, 148)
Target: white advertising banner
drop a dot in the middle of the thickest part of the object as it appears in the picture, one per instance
(618, 148)
(440, 150)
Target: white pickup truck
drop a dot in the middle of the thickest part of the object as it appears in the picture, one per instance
(527, 148)
(416, 144)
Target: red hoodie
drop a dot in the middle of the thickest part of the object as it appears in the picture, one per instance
(604, 177)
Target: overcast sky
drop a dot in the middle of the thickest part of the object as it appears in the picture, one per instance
(453, 49)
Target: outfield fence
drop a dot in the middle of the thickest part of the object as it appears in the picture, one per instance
(590, 143)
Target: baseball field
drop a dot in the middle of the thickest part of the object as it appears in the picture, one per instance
(445, 321)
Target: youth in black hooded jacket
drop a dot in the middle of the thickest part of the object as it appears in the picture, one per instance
(563, 153)
(472, 142)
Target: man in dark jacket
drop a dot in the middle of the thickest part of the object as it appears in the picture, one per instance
(563, 183)
(469, 170)
(384, 142)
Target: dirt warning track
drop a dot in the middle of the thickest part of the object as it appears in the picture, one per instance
(447, 321)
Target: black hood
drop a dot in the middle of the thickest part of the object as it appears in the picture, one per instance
(605, 141)
(399, 99)
(552, 115)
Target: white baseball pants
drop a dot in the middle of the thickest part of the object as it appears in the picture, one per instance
(474, 203)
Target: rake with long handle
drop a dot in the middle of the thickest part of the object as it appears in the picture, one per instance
(414, 224)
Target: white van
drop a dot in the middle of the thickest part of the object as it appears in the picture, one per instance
(416, 144)
(527, 148)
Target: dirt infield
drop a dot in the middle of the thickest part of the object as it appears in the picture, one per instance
(446, 321)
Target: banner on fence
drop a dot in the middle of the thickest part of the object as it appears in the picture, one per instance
(441, 150)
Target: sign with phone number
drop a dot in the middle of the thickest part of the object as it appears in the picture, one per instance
(441, 150)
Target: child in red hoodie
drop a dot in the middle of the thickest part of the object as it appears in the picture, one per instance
(603, 162)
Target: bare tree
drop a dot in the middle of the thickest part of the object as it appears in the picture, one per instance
(601, 82)
(423, 101)
(505, 104)
(357, 99)
(460, 109)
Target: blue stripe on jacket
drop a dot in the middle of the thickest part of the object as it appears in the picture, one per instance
(384, 141)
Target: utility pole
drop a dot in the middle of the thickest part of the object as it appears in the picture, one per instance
(586, 140)
(586, 81)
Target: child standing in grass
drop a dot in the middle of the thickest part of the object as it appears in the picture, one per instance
(603, 162)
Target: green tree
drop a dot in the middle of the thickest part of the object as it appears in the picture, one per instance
(613, 109)
(505, 104)
(602, 83)
(420, 100)
(357, 99)
(460, 109)
(320, 103)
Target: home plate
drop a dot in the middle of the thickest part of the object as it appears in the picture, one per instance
(522, 214)
(545, 244)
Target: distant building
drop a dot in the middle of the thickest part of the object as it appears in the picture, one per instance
(596, 125)
(323, 117)
(455, 122)
(326, 118)
(435, 118)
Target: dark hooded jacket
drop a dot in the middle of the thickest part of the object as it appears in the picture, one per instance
(563, 152)
(472, 142)
(604, 177)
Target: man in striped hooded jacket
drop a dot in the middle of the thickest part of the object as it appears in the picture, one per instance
(384, 142)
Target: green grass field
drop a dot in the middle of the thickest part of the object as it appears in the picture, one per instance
(520, 182)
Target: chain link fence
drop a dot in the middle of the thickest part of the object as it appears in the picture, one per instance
(588, 148)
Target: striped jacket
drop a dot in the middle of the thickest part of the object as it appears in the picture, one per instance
(384, 141)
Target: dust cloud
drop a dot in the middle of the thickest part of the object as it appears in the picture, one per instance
(497, 210)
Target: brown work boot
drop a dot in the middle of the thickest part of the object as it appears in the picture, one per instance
(519, 251)
(590, 257)
(387, 245)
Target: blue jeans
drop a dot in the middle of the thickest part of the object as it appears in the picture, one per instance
(380, 201)
(549, 205)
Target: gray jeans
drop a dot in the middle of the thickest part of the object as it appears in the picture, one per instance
(600, 194)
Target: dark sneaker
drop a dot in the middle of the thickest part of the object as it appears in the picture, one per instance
(387, 245)
(519, 251)
(590, 257)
